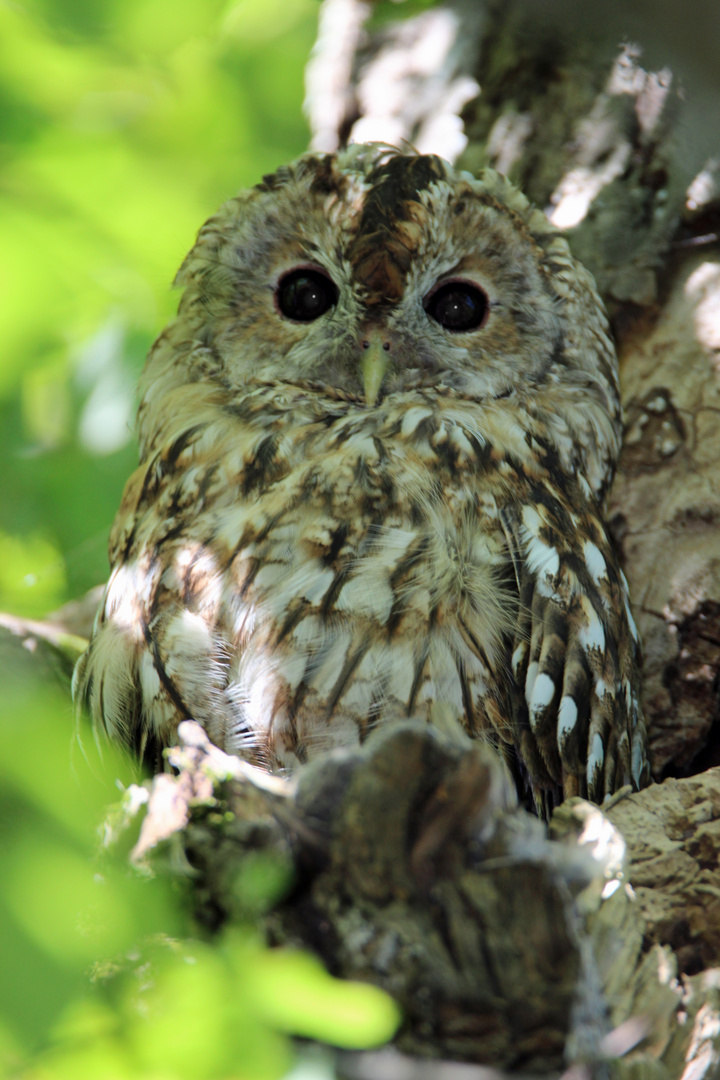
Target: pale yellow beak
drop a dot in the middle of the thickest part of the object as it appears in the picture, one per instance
(374, 365)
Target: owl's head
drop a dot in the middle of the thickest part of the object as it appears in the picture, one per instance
(371, 273)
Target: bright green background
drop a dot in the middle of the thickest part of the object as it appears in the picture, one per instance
(123, 125)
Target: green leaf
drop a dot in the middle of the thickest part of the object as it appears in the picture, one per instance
(293, 992)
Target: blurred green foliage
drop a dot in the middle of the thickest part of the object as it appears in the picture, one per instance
(123, 126)
(100, 976)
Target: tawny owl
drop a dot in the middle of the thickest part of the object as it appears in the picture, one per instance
(374, 447)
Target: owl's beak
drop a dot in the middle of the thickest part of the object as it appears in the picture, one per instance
(375, 362)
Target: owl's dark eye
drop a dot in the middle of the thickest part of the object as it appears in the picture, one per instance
(305, 294)
(458, 305)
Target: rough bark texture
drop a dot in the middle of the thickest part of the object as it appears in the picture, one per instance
(407, 863)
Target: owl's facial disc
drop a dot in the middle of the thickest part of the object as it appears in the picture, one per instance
(306, 292)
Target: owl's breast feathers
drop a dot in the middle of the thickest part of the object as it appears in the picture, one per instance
(291, 571)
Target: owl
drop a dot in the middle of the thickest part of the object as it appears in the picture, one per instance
(374, 448)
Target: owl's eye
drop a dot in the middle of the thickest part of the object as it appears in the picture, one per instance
(305, 294)
(458, 305)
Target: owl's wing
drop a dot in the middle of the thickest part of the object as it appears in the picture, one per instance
(117, 681)
(576, 649)
(154, 659)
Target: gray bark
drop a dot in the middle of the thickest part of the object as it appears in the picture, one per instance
(407, 863)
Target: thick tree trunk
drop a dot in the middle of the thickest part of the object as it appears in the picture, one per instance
(408, 864)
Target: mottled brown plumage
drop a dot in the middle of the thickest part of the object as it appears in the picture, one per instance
(374, 447)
